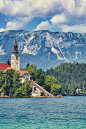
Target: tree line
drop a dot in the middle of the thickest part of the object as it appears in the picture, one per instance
(70, 76)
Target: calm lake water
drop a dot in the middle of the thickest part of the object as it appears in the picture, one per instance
(43, 113)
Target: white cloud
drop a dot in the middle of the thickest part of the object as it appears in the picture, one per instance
(44, 25)
(2, 29)
(68, 5)
(76, 28)
(58, 19)
(29, 7)
(15, 24)
(70, 13)
(12, 25)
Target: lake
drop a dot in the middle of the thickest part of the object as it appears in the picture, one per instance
(43, 113)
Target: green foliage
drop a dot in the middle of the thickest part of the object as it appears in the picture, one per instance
(18, 93)
(34, 88)
(49, 81)
(31, 70)
(40, 77)
(1, 81)
(55, 89)
(42, 93)
(1, 78)
(27, 65)
(70, 76)
(9, 82)
(1, 72)
(16, 84)
(24, 91)
(34, 67)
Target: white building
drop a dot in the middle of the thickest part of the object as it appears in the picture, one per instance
(24, 76)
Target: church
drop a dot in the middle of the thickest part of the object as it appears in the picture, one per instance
(15, 64)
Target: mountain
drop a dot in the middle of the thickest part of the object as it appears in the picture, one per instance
(44, 48)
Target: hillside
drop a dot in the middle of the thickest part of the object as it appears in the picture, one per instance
(71, 76)
(44, 48)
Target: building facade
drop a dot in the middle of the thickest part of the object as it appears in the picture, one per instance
(24, 76)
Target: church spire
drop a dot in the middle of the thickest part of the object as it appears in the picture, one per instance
(15, 51)
(15, 57)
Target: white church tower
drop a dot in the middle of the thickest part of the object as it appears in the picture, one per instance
(15, 58)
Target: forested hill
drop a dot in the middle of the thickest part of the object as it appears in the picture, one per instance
(70, 76)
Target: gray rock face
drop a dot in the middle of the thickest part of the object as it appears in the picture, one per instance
(44, 48)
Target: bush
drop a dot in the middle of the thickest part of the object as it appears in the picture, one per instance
(42, 93)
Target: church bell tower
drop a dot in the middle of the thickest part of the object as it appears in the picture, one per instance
(15, 58)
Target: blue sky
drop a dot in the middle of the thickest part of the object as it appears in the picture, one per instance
(53, 15)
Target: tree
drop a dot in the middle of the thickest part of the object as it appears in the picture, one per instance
(55, 89)
(24, 91)
(27, 65)
(70, 76)
(42, 93)
(8, 81)
(1, 78)
(31, 71)
(40, 77)
(16, 84)
(49, 81)
(34, 67)
(1, 81)
(18, 93)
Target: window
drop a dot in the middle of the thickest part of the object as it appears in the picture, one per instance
(16, 57)
(16, 63)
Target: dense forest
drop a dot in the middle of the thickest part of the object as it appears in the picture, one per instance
(70, 76)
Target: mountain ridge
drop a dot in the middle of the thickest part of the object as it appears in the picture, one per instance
(44, 48)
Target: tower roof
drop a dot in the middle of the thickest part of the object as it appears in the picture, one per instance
(15, 51)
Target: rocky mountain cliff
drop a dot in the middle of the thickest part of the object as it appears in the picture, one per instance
(44, 48)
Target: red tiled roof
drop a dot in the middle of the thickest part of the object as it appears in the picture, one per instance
(22, 72)
(8, 68)
(3, 66)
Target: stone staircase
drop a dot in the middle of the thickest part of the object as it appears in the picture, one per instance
(40, 89)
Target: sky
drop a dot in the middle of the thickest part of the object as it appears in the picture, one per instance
(52, 15)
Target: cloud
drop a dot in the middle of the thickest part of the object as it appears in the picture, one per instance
(12, 25)
(30, 7)
(69, 13)
(76, 28)
(15, 24)
(68, 5)
(2, 29)
(44, 25)
(58, 19)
